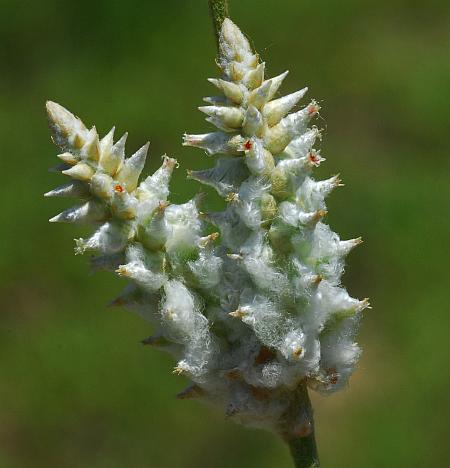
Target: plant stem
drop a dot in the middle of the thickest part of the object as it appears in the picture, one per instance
(301, 440)
(219, 11)
(304, 452)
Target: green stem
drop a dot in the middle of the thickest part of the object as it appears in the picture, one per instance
(302, 440)
(304, 452)
(219, 11)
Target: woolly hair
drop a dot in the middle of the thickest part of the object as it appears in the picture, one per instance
(256, 310)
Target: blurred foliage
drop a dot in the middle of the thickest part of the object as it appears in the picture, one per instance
(77, 389)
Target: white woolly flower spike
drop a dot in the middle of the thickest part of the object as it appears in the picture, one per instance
(256, 309)
(294, 322)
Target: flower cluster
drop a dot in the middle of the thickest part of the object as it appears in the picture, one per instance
(257, 309)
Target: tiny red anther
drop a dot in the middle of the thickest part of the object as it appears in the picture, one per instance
(314, 159)
(248, 145)
(313, 109)
(118, 188)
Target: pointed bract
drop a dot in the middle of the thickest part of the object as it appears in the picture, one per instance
(274, 111)
(68, 131)
(81, 171)
(112, 161)
(131, 169)
(75, 189)
(91, 211)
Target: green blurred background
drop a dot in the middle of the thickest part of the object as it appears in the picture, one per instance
(76, 388)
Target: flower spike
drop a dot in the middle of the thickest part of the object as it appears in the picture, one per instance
(253, 311)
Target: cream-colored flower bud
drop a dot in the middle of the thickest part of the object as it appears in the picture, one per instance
(91, 211)
(215, 143)
(274, 111)
(112, 160)
(91, 149)
(277, 81)
(69, 158)
(81, 171)
(75, 189)
(106, 144)
(254, 78)
(260, 96)
(226, 118)
(68, 130)
(231, 90)
(131, 169)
